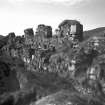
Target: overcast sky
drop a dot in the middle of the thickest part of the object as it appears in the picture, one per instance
(16, 15)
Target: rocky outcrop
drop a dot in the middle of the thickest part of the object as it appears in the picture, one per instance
(8, 77)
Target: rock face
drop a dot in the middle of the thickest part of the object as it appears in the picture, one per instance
(8, 79)
(12, 84)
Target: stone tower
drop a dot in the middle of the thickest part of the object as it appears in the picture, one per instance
(71, 28)
(44, 31)
(29, 35)
(11, 38)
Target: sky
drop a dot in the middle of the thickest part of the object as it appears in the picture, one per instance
(17, 15)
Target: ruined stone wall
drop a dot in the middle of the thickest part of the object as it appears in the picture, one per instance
(72, 29)
(36, 49)
(44, 31)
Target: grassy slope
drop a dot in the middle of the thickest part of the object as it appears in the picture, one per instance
(47, 83)
(95, 32)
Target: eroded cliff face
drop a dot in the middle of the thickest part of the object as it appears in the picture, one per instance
(8, 78)
(13, 87)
